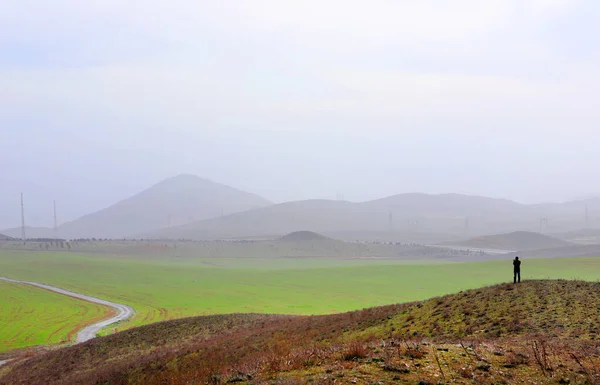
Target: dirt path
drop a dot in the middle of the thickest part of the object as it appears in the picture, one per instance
(124, 312)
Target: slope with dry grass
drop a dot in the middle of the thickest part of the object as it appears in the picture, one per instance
(543, 332)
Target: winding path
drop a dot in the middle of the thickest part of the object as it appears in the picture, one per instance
(124, 312)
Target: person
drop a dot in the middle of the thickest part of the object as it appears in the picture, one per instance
(517, 270)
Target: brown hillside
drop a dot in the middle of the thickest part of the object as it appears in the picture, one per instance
(539, 332)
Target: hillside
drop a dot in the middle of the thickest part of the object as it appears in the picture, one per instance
(582, 236)
(543, 332)
(517, 241)
(446, 205)
(402, 214)
(175, 201)
(276, 220)
(5, 238)
(31, 232)
(303, 236)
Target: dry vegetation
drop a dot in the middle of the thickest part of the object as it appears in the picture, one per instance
(542, 332)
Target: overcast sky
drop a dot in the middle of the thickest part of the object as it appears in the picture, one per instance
(297, 99)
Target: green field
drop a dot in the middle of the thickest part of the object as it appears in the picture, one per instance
(170, 287)
(32, 316)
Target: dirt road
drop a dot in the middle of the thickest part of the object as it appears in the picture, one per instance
(124, 312)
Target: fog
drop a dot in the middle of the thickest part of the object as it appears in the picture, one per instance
(297, 99)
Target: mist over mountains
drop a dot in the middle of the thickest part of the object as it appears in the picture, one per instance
(189, 207)
(174, 201)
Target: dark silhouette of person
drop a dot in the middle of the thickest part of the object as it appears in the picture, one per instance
(517, 269)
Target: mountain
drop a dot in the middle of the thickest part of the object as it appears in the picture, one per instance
(537, 332)
(277, 220)
(403, 213)
(31, 232)
(518, 240)
(446, 205)
(175, 201)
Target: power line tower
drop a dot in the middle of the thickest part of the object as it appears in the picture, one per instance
(543, 223)
(55, 222)
(23, 235)
(413, 224)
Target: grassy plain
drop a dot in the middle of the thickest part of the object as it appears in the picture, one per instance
(161, 288)
(32, 316)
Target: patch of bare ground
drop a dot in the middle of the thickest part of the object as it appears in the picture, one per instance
(542, 332)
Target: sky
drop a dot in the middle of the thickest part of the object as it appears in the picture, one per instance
(296, 99)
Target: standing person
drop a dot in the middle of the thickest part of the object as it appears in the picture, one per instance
(517, 269)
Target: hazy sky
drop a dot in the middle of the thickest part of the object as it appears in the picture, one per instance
(297, 99)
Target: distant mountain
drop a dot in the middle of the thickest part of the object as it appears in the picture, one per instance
(5, 238)
(30, 232)
(446, 205)
(193, 208)
(400, 213)
(518, 240)
(274, 221)
(175, 201)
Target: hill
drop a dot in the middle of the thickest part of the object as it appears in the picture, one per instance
(175, 201)
(517, 241)
(5, 238)
(543, 332)
(401, 214)
(303, 236)
(31, 232)
(446, 205)
(274, 221)
(582, 236)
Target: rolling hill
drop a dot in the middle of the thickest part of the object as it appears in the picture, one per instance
(516, 241)
(30, 232)
(543, 332)
(581, 236)
(304, 236)
(174, 201)
(400, 213)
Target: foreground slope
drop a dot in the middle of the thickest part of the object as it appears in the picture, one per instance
(178, 200)
(543, 332)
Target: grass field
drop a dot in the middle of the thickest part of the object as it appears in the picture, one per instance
(32, 316)
(168, 288)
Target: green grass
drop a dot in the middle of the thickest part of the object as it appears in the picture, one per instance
(170, 287)
(32, 316)
(538, 332)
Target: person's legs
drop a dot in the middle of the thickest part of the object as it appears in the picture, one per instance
(519, 274)
(515, 277)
